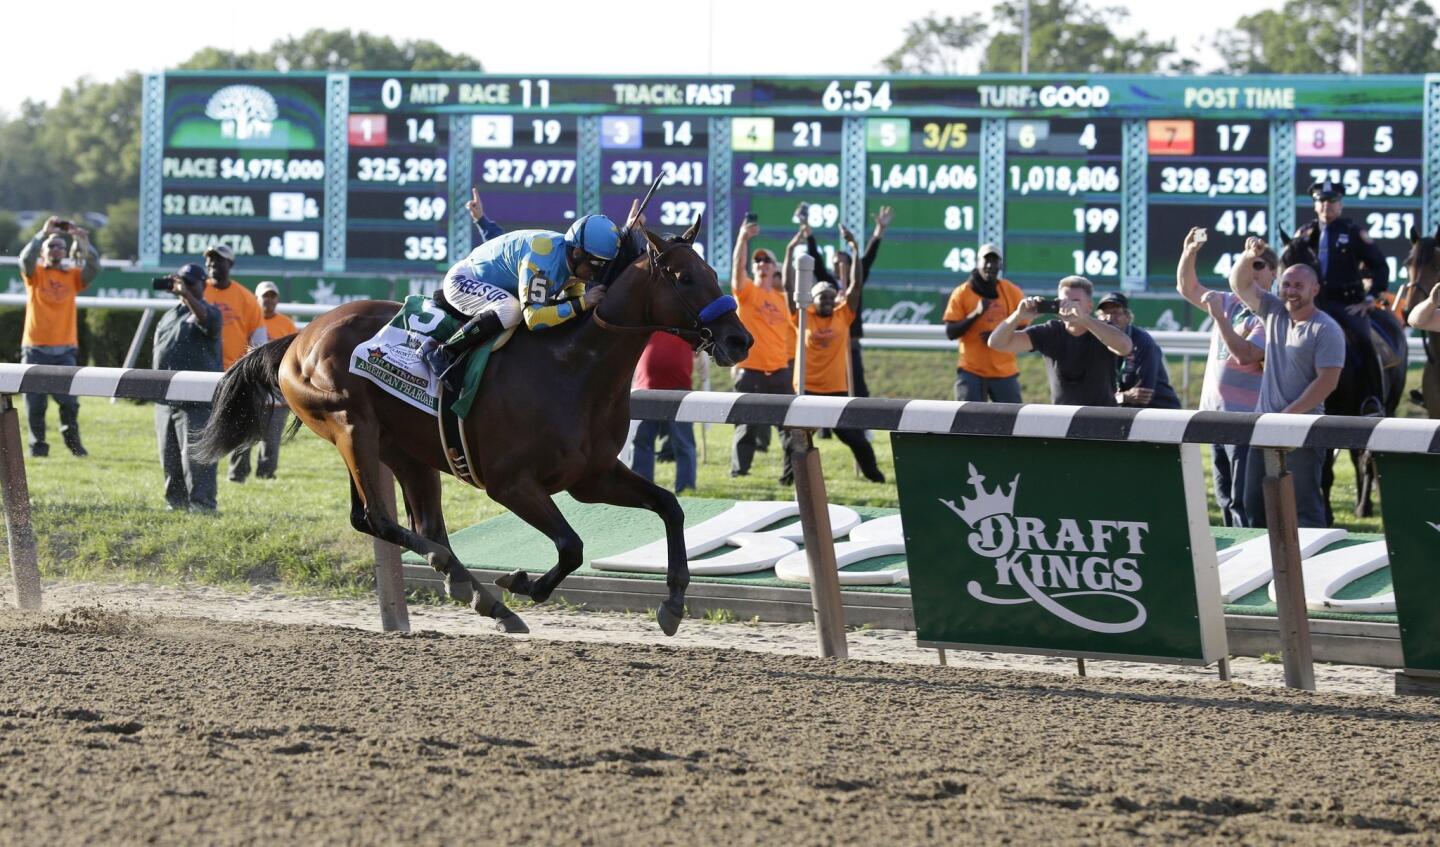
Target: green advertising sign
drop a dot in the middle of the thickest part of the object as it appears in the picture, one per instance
(1410, 489)
(1037, 546)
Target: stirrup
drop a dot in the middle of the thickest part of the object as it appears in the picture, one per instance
(1371, 407)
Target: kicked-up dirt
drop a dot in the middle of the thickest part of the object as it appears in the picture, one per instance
(118, 727)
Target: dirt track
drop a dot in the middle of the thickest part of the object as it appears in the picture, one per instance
(120, 728)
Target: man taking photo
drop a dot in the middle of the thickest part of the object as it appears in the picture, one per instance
(187, 338)
(1080, 351)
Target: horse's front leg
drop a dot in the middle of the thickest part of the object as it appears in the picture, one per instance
(620, 486)
(530, 503)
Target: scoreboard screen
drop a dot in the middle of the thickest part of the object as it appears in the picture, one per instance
(1097, 175)
(1062, 201)
(928, 172)
(635, 149)
(243, 166)
(1210, 174)
(779, 166)
(1379, 164)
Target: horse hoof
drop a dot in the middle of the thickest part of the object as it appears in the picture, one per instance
(512, 625)
(516, 582)
(669, 621)
(459, 588)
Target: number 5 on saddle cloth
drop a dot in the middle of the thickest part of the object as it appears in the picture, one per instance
(391, 360)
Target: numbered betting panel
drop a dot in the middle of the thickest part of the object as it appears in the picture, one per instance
(243, 165)
(524, 166)
(928, 172)
(1211, 174)
(398, 192)
(1062, 201)
(1379, 163)
(780, 164)
(634, 150)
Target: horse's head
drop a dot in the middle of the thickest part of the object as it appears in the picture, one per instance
(1298, 252)
(673, 289)
(1423, 261)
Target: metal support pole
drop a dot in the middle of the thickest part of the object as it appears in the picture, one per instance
(24, 562)
(147, 317)
(943, 661)
(1080, 665)
(819, 546)
(1224, 667)
(1280, 517)
(389, 577)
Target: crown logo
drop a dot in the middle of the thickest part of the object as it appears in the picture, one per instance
(985, 504)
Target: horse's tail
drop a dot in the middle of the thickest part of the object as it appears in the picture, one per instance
(244, 401)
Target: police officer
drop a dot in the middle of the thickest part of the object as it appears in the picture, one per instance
(1341, 248)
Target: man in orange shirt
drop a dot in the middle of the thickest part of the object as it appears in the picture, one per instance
(244, 326)
(276, 326)
(766, 315)
(976, 307)
(51, 335)
(827, 343)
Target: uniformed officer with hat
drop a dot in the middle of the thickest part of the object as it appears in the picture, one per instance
(1340, 248)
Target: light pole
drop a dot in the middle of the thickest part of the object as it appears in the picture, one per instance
(1025, 36)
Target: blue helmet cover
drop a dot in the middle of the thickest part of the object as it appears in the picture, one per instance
(596, 235)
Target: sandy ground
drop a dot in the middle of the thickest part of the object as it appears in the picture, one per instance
(264, 604)
(135, 714)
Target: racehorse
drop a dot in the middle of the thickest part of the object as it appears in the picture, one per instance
(1424, 265)
(551, 415)
(1347, 399)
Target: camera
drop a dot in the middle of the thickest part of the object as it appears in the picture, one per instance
(802, 213)
(63, 226)
(1048, 306)
(163, 283)
(752, 218)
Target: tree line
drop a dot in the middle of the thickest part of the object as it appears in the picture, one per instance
(82, 153)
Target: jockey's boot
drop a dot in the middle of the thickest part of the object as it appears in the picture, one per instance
(442, 358)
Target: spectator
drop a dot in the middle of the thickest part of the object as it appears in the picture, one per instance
(1080, 352)
(667, 363)
(244, 326)
(1304, 353)
(766, 370)
(1144, 380)
(1341, 247)
(187, 338)
(276, 326)
(51, 335)
(838, 276)
(827, 344)
(1233, 369)
(1423, 316)
(976, 307)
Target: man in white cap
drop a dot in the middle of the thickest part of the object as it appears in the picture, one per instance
(276, 326)
(975, 308)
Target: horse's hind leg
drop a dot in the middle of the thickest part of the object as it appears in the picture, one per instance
(529, 502)
(621, 486)
(363, 460)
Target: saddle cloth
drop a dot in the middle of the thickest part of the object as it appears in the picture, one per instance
(391, 358)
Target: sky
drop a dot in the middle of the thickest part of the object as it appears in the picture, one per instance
(104, 40)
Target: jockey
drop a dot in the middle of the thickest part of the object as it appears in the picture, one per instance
(535, 274)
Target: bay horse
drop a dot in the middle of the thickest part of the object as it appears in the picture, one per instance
(551, 415)
(1388, 337)
(1424, 265)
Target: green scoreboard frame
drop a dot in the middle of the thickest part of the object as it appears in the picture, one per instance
(1100, 175)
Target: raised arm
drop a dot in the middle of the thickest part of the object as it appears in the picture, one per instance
(739, 259)
(872, 247)
(84, 252)
(822, 273)
(30, 253)
(1187, 282)
(853, 286)
(1006, 337)
(1242, 275)
(1243, 350)
(1423, 315)
(1118, 342)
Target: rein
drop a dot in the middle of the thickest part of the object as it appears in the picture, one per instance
(697, 334)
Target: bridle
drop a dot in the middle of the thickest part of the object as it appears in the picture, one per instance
(696, 334)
